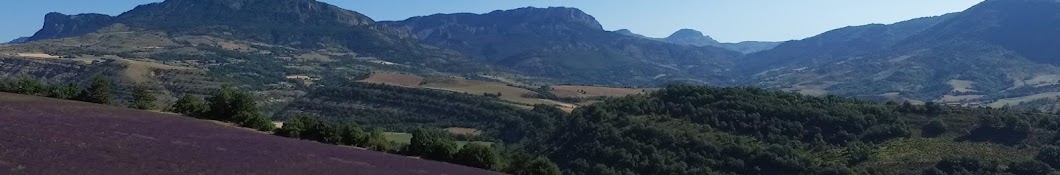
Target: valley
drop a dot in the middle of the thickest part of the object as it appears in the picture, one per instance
(529, 91)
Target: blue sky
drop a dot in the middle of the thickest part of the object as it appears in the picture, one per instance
(725, 20)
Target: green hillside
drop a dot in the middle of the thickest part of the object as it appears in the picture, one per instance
(701, 130)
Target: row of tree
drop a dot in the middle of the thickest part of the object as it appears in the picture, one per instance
(99, 91)
(438, 145)
(425, 143)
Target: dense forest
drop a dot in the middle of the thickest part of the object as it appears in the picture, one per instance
(701, 130)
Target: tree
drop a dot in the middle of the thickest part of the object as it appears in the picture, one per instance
(65, 92)
(98, 92)
(934, 128)
(30, 86)
(527, 165)
(478, 155)
(1029, 167)
(226, 103)
(190, 105)
(432, 144)
(1050, 155)
(296, 127)
(142, 98)
(254, 120)
(376, 141)
(221, 104)
(324, 133)
(352, 134)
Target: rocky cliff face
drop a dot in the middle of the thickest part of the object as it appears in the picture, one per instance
(58, 25)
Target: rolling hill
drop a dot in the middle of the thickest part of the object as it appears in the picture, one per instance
(50, 136)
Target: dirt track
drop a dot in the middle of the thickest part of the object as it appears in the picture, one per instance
(49, 136)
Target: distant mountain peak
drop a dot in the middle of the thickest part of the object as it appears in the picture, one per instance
(58, 25)
(553, 15)
(691, 37)
(685, 33)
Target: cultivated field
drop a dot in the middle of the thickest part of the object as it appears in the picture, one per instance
(594, 91)
(49, 136)
(395, 79)
(508, 93)
(1017, 100)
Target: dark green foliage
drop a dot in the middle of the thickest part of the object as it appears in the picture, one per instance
(700, 130)
(405, 109)
(254, 120)
(191, 106)
(237, 107)
(531, 165)
(69, 91)
(226, 103)
(376, 141)
(1050, 155)
(98, 91)
(479, 156)
(964, 165)
(309, 127)
(352, 134)
(432, 144)
(143, 98)
(1029, 167)
(935, 128)
(30, 86)
(221, 106)
(1009, 130)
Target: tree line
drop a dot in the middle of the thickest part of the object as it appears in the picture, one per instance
(98, 91)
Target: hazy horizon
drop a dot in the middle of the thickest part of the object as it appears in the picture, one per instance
(726, 21)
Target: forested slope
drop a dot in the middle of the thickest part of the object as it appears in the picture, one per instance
(404, 109)
(700, 130)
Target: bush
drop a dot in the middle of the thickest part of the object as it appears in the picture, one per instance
(934, 128)
(142, 98)
(98, 92)
(432, 144)
(479, 156)
(255, 120)
(1049, 155)
(1029, 167)
(191, 106)
(525, 165)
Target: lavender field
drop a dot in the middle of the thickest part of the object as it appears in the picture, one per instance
(49, 136)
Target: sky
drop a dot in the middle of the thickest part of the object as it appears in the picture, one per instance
(724, 20)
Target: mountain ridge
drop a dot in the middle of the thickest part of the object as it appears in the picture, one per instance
(567, 43)
(696, 38)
